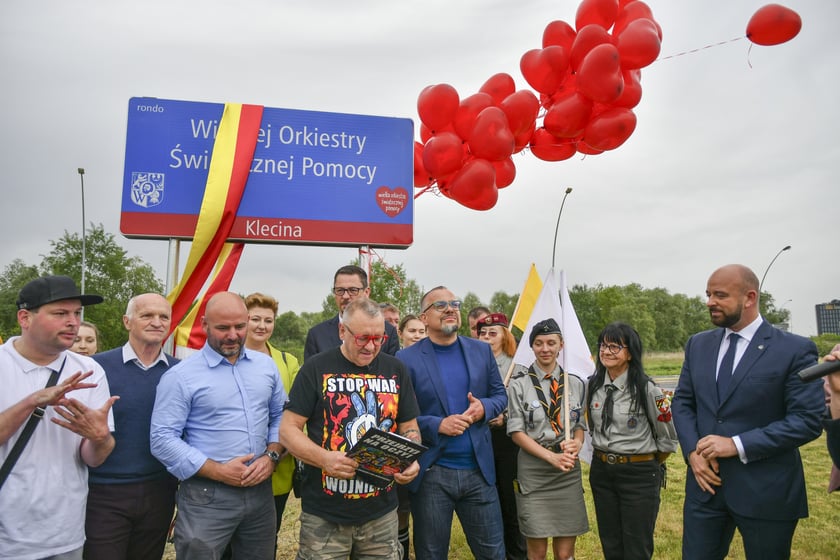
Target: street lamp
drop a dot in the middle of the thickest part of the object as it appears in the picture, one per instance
(84, 237)
(782, 250)
(557, 227)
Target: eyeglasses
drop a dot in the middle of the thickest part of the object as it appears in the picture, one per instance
(363, 340)
(352, 291)
(611, 347)
(442, 305)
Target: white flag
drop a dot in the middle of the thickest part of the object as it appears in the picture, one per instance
(556, 304)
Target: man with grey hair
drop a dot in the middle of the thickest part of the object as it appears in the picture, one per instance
(131, 496)
(459, 390)
(337, 396)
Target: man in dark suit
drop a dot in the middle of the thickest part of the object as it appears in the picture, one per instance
(458, 389)
(350, 282)
(741, 413)
(832, 423)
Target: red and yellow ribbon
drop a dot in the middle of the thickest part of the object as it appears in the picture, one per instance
(233, 151)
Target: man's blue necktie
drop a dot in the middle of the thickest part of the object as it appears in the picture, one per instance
(726, 366)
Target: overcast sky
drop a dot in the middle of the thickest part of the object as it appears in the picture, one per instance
(728, 163)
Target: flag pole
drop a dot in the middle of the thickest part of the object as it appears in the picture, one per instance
(566, 405)
(509, 373)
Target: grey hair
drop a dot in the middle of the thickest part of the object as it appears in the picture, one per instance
(363, 305)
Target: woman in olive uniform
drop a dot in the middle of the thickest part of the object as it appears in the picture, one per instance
(550, 494)
(632, 433)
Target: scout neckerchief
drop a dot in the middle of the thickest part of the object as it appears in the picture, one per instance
(552, 411)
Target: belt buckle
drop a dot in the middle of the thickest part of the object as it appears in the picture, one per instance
(612, 458)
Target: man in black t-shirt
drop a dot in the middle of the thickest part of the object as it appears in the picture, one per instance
(337, 396)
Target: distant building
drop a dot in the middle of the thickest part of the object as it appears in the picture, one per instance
(828, 317)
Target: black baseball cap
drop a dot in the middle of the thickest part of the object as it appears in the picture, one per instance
(48, 289)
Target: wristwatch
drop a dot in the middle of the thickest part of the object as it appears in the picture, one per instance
(274, 456)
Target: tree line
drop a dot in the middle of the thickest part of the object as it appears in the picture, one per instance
(664, 320)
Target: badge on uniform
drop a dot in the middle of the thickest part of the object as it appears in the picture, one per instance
(632, 422)
(574, 415)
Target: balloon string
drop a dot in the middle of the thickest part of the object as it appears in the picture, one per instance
(390, 270)
(423, 190)
(692, 51)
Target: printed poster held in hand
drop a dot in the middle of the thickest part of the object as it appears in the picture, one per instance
(380, 454)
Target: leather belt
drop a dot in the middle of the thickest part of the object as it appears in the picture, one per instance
(617, 459)
(553, 447)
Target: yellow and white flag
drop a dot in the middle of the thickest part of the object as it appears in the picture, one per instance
(527, 299)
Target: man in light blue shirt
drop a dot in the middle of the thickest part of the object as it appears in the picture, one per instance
(215, 426)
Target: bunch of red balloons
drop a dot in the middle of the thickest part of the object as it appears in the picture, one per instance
(587, 81)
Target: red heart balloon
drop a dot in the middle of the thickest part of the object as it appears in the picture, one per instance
(522, 139)
(773, 24)
(549, 148)
(599, 77)
(491, 138)
(559, 33)
(545, 69)
(597, 12)
(587, 39)
(505, 172)
(584, 148)
(468, 110)
(443, 154)
(498, 86)
(520, 108)
(632, 93)
(568, 117)
(639, 44)
(436, 105)
(610, 129)
(631, 12)
(474, 186)
(421, 176)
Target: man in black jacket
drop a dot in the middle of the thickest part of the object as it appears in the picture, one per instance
(350, 282)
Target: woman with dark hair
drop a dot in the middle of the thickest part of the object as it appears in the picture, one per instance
(632, 433)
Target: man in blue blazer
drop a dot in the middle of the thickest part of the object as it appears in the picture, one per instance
(741, 415)
(350, 282)
(458, 389)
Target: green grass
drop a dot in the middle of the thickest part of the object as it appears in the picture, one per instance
(815, 539)
(660, 363)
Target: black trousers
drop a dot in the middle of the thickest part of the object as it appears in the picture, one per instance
(129, 521)
(626, 505)
(504, 454)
